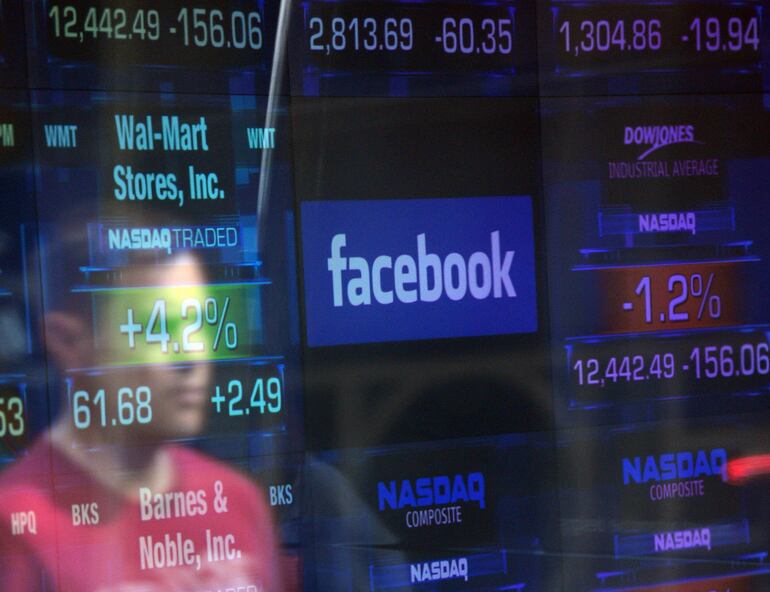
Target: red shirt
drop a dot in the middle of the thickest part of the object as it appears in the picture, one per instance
(211, 531)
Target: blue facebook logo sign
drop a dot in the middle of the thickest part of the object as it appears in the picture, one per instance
(396, 270)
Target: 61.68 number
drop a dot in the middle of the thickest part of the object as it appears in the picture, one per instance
(132, 406)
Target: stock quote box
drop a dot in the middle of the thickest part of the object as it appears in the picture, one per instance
(25, 458)
(397, 270)
(24, 410)
(665, 259)
(186, 293)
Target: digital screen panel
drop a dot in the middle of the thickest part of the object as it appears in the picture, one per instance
(432, 271)
(664, 513)
(13, 54)
(169, 341)
(436, 516)
(666, 257)
(165, 254)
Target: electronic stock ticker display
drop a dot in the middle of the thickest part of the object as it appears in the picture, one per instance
(354, 295)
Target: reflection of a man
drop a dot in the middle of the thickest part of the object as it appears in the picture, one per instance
(115, 505)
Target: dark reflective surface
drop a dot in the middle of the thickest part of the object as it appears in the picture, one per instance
(352, 295)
